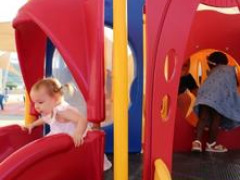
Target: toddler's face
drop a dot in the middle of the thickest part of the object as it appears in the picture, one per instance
(43, 102)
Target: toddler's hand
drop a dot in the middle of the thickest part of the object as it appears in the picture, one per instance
(29, 128)
(78, 140)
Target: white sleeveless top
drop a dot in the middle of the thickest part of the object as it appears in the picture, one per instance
(56, 126)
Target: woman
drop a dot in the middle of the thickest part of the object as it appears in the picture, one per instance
(217, 103)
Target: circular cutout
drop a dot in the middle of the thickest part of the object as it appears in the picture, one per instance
(165, 108)
(169, 64)
(199, 70)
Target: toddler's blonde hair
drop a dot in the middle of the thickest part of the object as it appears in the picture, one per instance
(53, 86)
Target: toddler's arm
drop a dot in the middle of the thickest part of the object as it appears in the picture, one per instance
(72, 114)
(36, 123)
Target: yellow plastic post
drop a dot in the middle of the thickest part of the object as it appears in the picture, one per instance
(161, 171)
(120, 89)
(28, 118)
(144, 73)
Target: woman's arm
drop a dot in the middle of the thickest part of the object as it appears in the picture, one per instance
(237, 74)
(75, 116)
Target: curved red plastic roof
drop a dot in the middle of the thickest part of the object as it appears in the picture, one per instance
(76, 29)
(220, 3)
(219, 31)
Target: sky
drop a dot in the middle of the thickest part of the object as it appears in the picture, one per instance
(9, 8)
(233, 10)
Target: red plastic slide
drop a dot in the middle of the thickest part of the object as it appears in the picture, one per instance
(51, 157)
(13, 137)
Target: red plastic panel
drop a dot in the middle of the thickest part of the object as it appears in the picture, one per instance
(184, 134)
(31, 42)
(76, 29)
(13, 137)
(155, 14)
(172, 33)
(220, 31)
(220, 3)
(44, 159)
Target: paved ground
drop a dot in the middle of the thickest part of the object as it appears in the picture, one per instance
(189, 166)
(207, 166)
(13, 113)
(135, 167)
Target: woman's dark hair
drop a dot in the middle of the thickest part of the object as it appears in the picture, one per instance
(218, 58)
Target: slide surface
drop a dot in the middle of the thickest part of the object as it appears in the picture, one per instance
(56, 158)
(13, 137)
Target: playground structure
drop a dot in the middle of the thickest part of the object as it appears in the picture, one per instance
(168, 45)
(85, 64)
(167, 37)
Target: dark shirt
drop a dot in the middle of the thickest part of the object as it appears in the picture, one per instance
(187, 82)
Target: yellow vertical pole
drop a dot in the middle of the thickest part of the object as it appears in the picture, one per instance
(120, 89)
(144, 72)
(28, 117)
